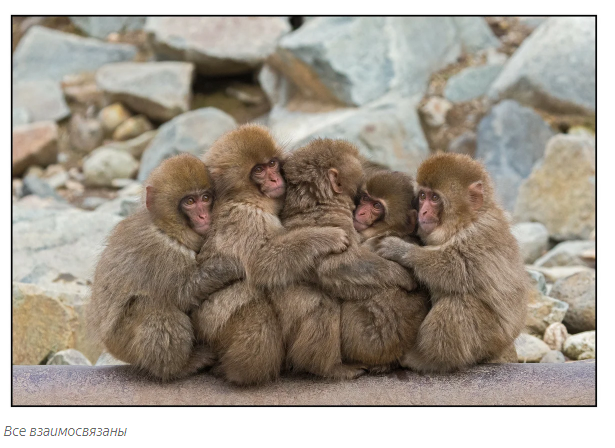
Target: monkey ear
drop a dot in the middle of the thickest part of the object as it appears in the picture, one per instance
(149, 197)
(333, 178)
(476, 194)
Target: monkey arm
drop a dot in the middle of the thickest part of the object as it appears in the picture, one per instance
(359, 277)
(217, 272)
(442, 268)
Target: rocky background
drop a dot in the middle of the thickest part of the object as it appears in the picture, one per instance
(98, 102)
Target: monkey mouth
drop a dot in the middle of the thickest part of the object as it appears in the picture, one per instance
(428, 226)
(276, 192)
(359, 226)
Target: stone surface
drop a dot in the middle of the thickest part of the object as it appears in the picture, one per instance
(93, 202)
(160, 90)
(34, 144)
(43, 100)
(20, 116)
(464, 144)
(579, 292)
(554, 274)
(81, 88)
(568, 253)
(471, 82)
(134, 146)
(489, 384)
(508, 153)
(581, 345)
(105, 359)
(532, 21)
(554, 68)
(192, 132)
(533, 239)
(44, 53)
(101, 27)
(42, 323)
(555, 336)
(355, 60)
(69, 357)
(565, 183)
(112, 116)
(542, 312)
(217, 45)
(537, 280)
(553, 356)
(86, 134)
(530, 348)
(105, 164)
(39, 187)
(389, 132)
(133, 127)
(434, 111)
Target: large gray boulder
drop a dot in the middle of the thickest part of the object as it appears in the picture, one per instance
(471, 82)
(160, 90)
(567, 253)
(44, 53)
(388, 133)
(102, 26)
(192, 132)
(579, 292)
(555, 68)
(533, 239)
(43, 100)
(561, 190)
(216, 45)
(355, 60)
(511, 139)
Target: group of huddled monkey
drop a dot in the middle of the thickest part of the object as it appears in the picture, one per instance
(254, 261)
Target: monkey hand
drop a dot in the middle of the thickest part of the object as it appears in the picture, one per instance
(335, 240)
(372, 243)
(393, 248)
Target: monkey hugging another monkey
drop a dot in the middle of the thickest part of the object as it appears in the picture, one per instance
(254, 261)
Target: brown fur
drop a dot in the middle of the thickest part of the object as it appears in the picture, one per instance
(148, 279)
(472, 268)
(239, 321)
(372, 336)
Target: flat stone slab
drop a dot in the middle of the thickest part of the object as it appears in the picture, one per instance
(490, 384)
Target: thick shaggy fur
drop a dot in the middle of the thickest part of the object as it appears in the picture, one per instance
(147, 280)
(380, 324)
(472, 268)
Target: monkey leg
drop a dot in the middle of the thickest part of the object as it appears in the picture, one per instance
(157, 340)
(250, 346)
(508, 355)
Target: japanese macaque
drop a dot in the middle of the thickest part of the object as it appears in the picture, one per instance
(323, 179)
(471, 266)
(239, 321)
(148, 281)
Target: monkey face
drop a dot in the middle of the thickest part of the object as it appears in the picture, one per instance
(197, 208)
(430, 207)
(368, 212)
(269, 179)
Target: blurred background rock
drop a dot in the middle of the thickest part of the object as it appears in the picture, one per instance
(98, 102)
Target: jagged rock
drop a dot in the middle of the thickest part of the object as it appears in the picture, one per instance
(530, 348)
(434, 111)
(43, 100)
(554, 274)
(555, 336)
(553, 356)
(69, 357)
(579, 292)
(217, 45)
(101, 27)
(542, 312)
(86, 134)
(568, 253)
(132, 128)
(105, 164)
(509, 154)
(471, 82)
(112, 116)
(533, 239)
(192, 132)
(42, 323)
(355, 60)
(82, 88)
(464, 144)
(160, 90)
(34, 144)
(554, 68)
(537, 280)
(581, 345)
(44, 53)
(389, 132)
(561, 190)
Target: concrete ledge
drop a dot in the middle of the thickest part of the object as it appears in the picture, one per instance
(489, 384)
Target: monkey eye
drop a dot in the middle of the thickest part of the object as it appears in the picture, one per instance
(189, 201)
(206, 198)
(422, 196)
(272, 163)
(435, 197)
(365, 198)
(377, 205)
(258, 169)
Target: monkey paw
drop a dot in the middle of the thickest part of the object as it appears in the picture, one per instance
(392, 248)
(338, 240)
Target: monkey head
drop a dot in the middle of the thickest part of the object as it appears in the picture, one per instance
(453, 190)
(246, 162)
(179, 198)
(332, 167)
(385, 205)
